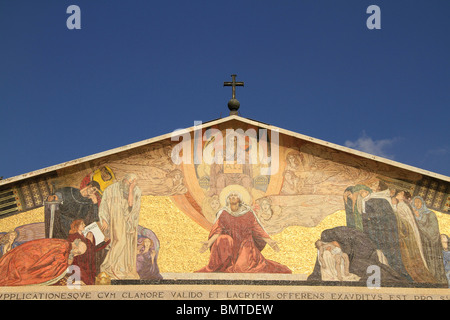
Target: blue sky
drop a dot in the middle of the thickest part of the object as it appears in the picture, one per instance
(138, 69)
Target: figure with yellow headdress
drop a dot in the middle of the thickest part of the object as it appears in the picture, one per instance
(104, 176)
(237, 238)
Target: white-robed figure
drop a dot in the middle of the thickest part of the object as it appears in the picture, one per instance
(119, 218)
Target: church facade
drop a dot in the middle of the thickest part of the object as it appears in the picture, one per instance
(232, 199)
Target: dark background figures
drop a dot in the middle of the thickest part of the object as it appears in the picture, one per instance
(362, 253)
(353, 209)
(70, 204)
(431, 238)
(446, 256)
(372, 213)
(380, 224)
(348, 204)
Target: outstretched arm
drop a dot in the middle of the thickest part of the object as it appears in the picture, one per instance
(207, 244)
(272, 243)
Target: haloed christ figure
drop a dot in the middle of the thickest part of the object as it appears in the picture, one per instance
(236, 240)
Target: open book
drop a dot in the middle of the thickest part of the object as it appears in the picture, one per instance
(95, 229)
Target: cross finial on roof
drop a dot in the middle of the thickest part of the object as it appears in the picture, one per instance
(233, 104)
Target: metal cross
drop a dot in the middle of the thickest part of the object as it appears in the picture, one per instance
(233, 84)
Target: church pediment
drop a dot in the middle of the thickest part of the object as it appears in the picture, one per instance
(326, 168)
(299, 189)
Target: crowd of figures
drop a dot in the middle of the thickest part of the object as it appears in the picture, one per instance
(126, 250)
(403, 232)
(384, 227)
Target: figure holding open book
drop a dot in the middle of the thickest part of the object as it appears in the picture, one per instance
(86, 262)
(119, 218)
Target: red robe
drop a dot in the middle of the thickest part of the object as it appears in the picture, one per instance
(41, 261)
(86, 261)
(238, 247)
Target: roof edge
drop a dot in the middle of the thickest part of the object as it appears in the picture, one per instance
(216, 122)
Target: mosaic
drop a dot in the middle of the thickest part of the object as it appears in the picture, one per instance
(325, 216)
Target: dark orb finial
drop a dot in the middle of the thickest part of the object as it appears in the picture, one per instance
(233, 105)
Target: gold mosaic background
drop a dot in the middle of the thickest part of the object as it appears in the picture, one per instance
(12, 222)
(181, 237)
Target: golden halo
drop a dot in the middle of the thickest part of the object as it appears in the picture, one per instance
(246, 197)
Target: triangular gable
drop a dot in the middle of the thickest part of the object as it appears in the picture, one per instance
(29, 190)
(218, 122)
(299, 189)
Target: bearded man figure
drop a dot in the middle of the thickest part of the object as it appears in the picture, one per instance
(119, 218)
(237, 238)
